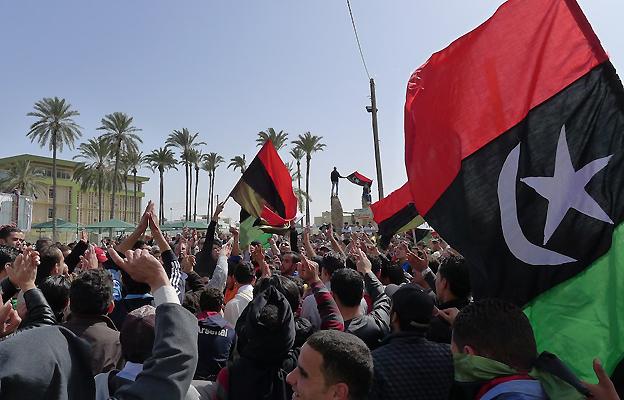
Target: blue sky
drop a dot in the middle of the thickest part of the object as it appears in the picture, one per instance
(228, 69)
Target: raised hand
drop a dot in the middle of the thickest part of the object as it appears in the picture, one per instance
(604, 389)
(142, 267)
(217, 211)
(226, 249)
(9, 319)
(234, 231)
(308, 270)
(416, 262)
(362, 262)
(187, 263)
(89, 259)
(449, 314)
(23, 271)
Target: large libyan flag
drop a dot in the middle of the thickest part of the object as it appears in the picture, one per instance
(517, 132)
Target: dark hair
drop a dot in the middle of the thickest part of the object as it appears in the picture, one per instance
(498, 330)
(8, 254)
(394, 273)
(6, 231)
(50, 256)
(139, 244)
(191, 302)
(346, 359)
(42, 243)
(55, 289)
(130, 286)
(211, 299)
(331, 262)
(284, 285)
(347, 285)
(295, 257)
(244, 273)
(91, 292)
(455, 270)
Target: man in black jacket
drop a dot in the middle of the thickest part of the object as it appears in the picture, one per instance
(347, 287)
(407, 364)
(206, 258)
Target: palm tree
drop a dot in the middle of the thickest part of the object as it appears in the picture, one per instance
(195, 158)
(300, 194)
(184, 141)
(121, 138)
(94, 171)
(21, 176)
(308, 144)
(298, 154)
(133, 161)
(238, 162)
(211, 163)
(161, 159)
(279, 139)
(55, 127)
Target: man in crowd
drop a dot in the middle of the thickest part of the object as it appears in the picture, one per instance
(11, 236)
(452, 287)
(406, 363)
(245, 277)
(347, 287)
(90, 301)
(216, 335)
(332, 365)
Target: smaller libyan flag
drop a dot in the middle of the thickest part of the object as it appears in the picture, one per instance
(265, 190)
(251, 230)
(395, 214)
(359, 179)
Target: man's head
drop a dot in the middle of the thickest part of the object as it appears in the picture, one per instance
(91, 293)
(289, 263)
(495, 329)
(55, 289)
(211, 299)
(137, 334)
(452, 279)
(335, 169)
(412, 309)
(7, 255)
(332, 365)
(285, 285)
(284, 246)
(392, 273)
(347, 287)
(11, 236)
(330, 263)
(216, 248)
(244, 274)
(52, 263)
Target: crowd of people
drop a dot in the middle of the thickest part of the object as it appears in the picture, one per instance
(307, 316)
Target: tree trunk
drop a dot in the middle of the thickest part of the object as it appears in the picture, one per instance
(162, 197)
(134, 204)
(308, 159)
(209, 196)
(54, 134)
(212, 195)
(115, 172)
(190, 192)
(196, 186)
(100, 197)
(126, 198)
(186, 194)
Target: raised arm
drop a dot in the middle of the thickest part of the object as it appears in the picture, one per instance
(131, 239)
(327, 307)
(306, 243)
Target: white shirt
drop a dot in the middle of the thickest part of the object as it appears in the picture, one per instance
(234, 308)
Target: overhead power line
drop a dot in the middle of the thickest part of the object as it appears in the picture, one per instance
(357, 39)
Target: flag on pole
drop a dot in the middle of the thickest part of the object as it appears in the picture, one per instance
(395, 214)
(517, 131)
(359, 179)
(265, 189)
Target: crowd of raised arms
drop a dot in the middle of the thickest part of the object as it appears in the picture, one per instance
(306, 316)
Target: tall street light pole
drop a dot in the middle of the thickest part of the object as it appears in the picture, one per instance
(373, 110)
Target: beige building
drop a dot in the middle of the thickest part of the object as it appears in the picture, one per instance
(75, 205)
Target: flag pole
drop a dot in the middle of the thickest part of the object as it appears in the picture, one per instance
(373, 110)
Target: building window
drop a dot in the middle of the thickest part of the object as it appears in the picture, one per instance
(50, 213)
(51, 193)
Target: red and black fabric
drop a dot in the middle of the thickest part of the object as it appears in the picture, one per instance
(265, 189)
(532, 69)
(393, 213)
(359, 179)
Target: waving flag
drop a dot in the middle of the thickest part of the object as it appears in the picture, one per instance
(517, 132)
(359, 179)
(395, 214)
(265, 190)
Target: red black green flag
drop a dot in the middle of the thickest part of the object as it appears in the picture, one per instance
(395, 213)
(265, 189)
(359, 179)
(517, 131)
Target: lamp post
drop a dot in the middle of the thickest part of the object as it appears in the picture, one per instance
(170, 213)
(77, 223)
